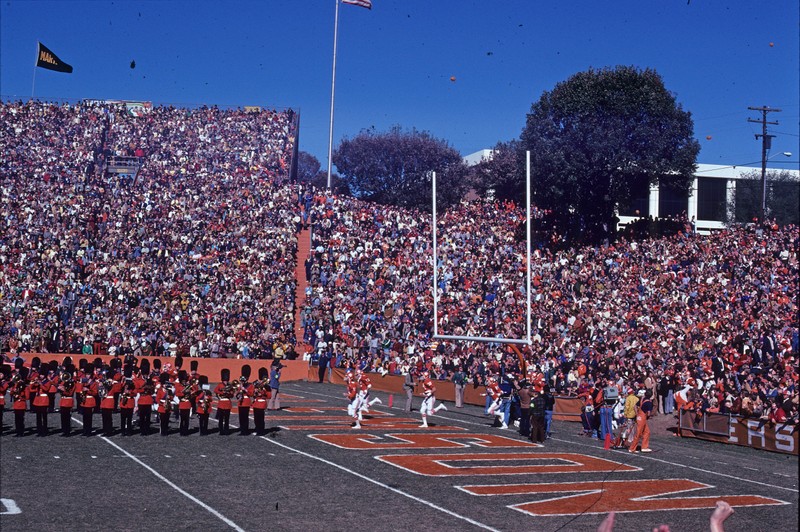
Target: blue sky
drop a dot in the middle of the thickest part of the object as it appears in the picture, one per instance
(396, 61)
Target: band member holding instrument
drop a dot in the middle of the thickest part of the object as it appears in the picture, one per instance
(145, 406)
(203, 405)
(184, 391)
(19, 400)
(261, 393)
(165, 396)
(87, 400)
(107, 389)
(224, 391)
(244, 398)
(67, 401)
(127, 402)
(5, 376)
(39, 390)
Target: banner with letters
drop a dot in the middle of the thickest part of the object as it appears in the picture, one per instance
(736, 430)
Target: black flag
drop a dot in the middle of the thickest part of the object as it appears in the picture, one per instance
(47, 59)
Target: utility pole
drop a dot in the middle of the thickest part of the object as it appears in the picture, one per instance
(766, 144)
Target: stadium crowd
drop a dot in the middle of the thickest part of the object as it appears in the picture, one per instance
(196, 255)
(168, 262)
(713, 314)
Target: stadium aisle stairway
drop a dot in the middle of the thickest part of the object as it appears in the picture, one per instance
(303, 248)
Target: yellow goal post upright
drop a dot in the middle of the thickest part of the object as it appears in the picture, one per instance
(487, 339)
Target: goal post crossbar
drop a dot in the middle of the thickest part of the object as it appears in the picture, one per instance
(519, 341)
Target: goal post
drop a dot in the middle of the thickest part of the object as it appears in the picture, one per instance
(434, 230)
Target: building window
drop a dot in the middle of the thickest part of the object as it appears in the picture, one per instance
(712, 197)
(671, 202)
(640, 200)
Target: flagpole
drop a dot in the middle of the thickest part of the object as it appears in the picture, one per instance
(36, 60)
(333, 90)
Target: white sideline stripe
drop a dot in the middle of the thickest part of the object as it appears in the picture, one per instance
(173, 486)
(382, 485)
(793, 490)
(11, 507)
(176, 488)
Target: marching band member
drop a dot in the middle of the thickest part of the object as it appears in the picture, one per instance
(107, 389)
(39, 390)
(429, 391)
(127, 402)
(144, 403)
(5, 373)
(164, 397)
(19, 399)
(67, 401)
(244, 397)
(203, 403)
(184, 391)
(224, 392)
(87, 400)
(261, 393)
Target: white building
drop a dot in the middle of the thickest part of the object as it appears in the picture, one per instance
(711, 195)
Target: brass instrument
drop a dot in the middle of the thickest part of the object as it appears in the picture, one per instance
(230, 390)
(205, 402)
(17, 388)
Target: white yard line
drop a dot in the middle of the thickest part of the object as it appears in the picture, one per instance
(171, 484)
(382, 485)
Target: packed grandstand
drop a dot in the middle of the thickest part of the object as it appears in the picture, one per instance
(196, 253)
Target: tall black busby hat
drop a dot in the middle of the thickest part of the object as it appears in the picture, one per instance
(225, 375)
(5, 369)
(115, 363)
(67, 361)
(83, 363)
(19, 363)
(36, 362)
(193, 365)
(178, 361)
(157, 364)
(127, 371)
(23, 372)
(144, 367)
(163, 378)
(263, 373)
(246, 371)
(182, 375)
(52, 366)
(203, 380)
(98, 363)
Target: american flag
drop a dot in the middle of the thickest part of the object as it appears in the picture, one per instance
(362, 3)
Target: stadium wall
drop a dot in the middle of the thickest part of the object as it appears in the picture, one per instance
(295, 370)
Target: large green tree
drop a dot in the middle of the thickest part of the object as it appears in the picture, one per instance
(394, 168)
(598, 132)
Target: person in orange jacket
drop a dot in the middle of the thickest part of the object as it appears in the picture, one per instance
(642, 429)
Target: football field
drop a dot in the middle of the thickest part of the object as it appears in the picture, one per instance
(313, 472)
